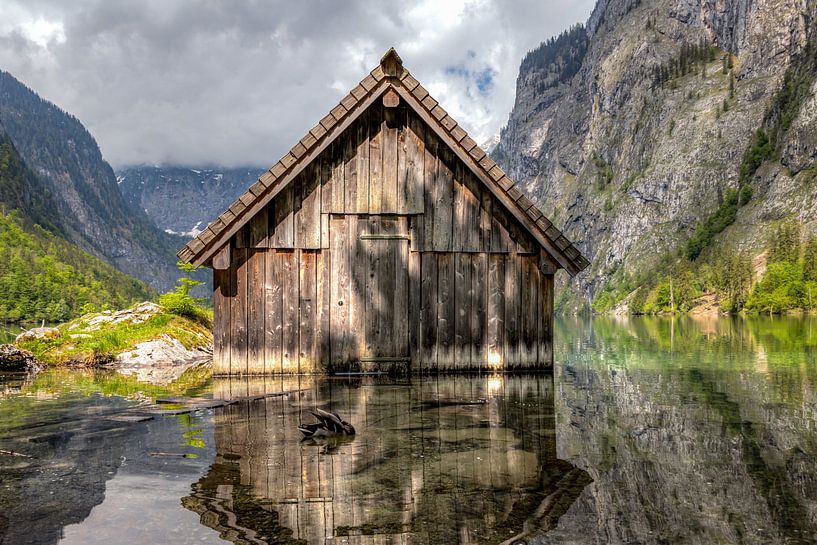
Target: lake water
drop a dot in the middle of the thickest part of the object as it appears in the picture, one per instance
(649, 431)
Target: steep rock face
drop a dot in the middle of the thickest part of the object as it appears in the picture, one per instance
(90, 211)
(182, 200)
(629, 165)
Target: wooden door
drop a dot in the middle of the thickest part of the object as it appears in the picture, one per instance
(369, 327)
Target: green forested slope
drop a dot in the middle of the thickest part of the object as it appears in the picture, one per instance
(42, 276)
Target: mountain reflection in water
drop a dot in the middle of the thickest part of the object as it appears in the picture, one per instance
(446, 460)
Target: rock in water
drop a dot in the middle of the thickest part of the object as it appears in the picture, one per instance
(17, 360)
(160, 361)
(38, 333)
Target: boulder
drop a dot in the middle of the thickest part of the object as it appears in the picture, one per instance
(135, 315)
(38, 333)
(17, 360)
(160, 361)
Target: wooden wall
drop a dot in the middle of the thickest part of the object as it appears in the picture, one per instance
(385, 254)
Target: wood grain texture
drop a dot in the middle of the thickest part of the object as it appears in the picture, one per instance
(273, 307)
(221, 321)
(290, 303)
(258, 236)
(307, 314)
(463, 316)
(308, 217)
(479, 293)
(445, 311)
(282, 224)
(323, 302)
(428, 311)
(238, 313)
(255, 311)
(413, 151)
(339, 296)
(444, 204)
(512, 304)
(376, 128)
(414, 310)
(495, 327)
(390, 133)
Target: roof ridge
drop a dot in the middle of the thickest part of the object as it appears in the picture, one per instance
(390, 70)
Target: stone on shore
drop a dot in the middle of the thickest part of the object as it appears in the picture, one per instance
(17, 360)
(38, 333)
(160, 361)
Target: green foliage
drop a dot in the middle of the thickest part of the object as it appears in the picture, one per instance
(781, 289)
(43, 277)
(745, 195)
(690, 56)
(723, 217)
(758, 151)
(604, 172)
(790, 281)
(180, 302)
(562, 56)
(784, 245)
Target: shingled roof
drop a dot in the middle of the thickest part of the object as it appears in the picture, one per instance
(389, 74)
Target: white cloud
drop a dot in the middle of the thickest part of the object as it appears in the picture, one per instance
(239, 82)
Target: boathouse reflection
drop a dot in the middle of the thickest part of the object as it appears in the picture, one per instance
(445, 460)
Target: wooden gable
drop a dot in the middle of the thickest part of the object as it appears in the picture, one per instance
(389, 162)
(375, 151)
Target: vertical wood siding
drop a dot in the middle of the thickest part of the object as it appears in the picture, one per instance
(385, 253)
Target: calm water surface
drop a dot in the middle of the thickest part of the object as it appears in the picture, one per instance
(649, 431)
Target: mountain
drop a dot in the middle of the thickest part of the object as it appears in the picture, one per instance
(81, 200)
(183, 200)
(42, 276)
(668, 136)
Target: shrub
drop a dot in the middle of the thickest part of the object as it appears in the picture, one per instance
(180, 302)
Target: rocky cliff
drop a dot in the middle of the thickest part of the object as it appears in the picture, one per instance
(629, 130)
(183, 200)
(82, 200)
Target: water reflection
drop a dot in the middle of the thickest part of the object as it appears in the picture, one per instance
(694, 431)
(450, 460)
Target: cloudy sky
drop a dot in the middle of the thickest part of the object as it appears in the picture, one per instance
(237, 83)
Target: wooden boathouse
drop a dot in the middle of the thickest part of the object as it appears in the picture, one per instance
(385, 240)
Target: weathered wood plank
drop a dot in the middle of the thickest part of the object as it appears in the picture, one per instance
(416, 232)
(372, 294)
(430, 183)
(362, 169)
(414, 310)
(339, 296)
(479, 294)
(527, 344)
(400, 267)
(443, 202)
(308, 217)
(472, 224)
(282, 224)
(357, 288)
(273, 307)
(428, 311)
(376, 127)
(325, 231)
(290, 304)
(445, 311)
(460, 228)
(485, 219)
(221, 320)
(308, 299)
(256, 313)
(221, 261)
(390, 132)
(512, 304)
(258, 230)
(326, 160)
(350, 173)
(323, 278)
(495, 333)
(338, 185)
(413, 150)
(500, 235)
(462, 300)
(238, 314)
(546, 350)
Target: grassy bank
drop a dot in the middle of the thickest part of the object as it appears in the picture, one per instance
(90, 340)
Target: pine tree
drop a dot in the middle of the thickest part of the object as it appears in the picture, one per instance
(810, 260)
